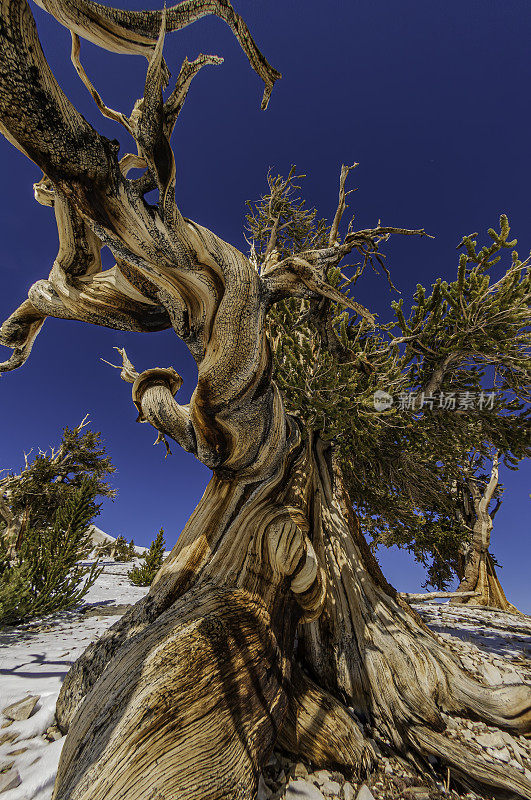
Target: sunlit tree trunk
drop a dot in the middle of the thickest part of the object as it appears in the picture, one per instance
(478, 573)
(223, 616)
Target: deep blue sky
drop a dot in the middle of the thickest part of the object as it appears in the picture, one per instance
(431, 98)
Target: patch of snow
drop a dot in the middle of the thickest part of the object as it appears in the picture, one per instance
(36, 657)
(302, 790)
(493, 632)
(37, 768)
(113, 585)
(34, 660)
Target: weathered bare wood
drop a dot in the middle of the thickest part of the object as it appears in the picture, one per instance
(389, 665)
(136, 32)
(319, 728)
(369, 646)
(479, 572)
(421, 597)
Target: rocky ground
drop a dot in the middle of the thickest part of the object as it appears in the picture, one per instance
(493, 646)
(35, 658)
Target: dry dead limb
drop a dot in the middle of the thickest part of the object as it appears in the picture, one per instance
(421, 597)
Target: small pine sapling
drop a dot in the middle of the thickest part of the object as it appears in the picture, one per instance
(143, 575)
(122, 550)
(47, 575)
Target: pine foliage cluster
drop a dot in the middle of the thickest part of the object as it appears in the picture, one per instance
(119, 550)
(44, 484)
(405, 467)
(45, 514)
(152, 561)
(48, 574)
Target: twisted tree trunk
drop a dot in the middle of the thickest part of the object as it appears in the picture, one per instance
(478, 570)
(204, 664)
(270, 618)
(14, 525)
(207, 668)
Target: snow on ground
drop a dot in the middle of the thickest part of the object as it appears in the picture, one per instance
(113, 586)
(506, 638)
(35, 658)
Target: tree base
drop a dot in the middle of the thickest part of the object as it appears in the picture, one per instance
(483, 580)
(189, 710)
(187, 695)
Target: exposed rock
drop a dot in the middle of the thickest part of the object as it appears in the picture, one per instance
(490, 740)
(53, 733)
(491, 673)
(5, 766)
(330, 788)
(365, 793)
(300, 771)
(503, 755)
(321, 776)
(22, 709)
(9, 780)
(348, 791)
(508, 739)
(302, 790)
(264, 793)
(18, 752)
(517, 747)
(8, 737)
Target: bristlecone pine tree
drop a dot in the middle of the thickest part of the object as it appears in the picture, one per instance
(454, 540)
(46, 575)
(476, 567)
(33, 496)
(270, 617)
(144, 574)
(120, 549)
(463, 352)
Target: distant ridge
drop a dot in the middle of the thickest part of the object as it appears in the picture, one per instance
(100, 537)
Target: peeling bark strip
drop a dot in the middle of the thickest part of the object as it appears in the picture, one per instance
(270, 617)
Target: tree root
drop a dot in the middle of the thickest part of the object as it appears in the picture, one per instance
(320, 728)
(472, 769)
(189, 708)
(369, 648)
